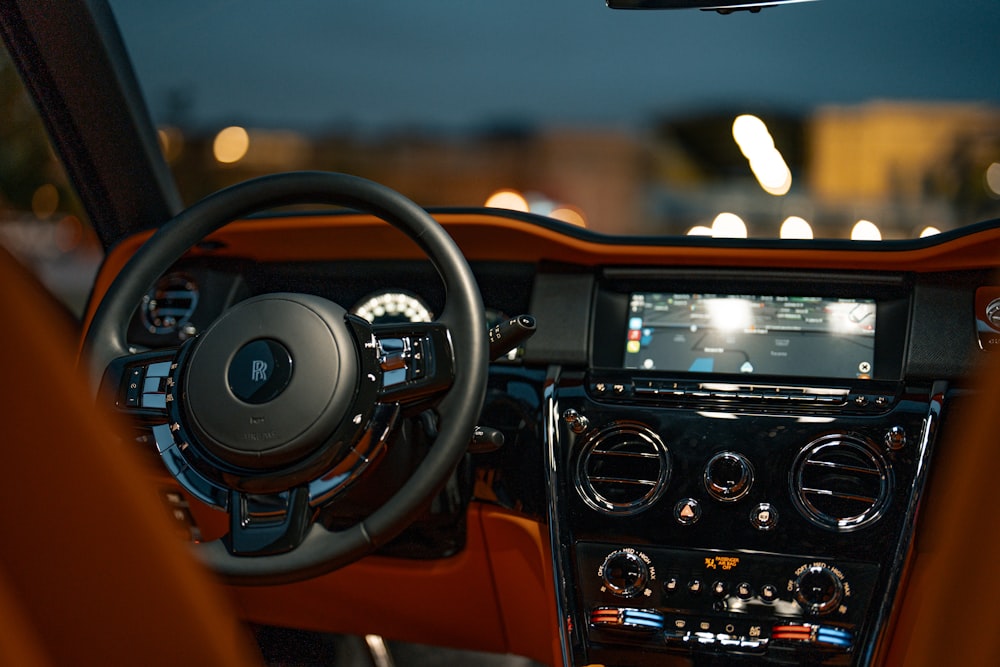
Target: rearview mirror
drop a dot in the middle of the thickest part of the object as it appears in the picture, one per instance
(721, 6)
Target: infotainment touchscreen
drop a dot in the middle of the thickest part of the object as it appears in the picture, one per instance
(768, 335)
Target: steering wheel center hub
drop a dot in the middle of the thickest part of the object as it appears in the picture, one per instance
(270, 381)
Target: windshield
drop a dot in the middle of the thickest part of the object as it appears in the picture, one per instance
(840, 118)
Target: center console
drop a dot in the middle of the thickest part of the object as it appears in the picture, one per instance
(734, 477)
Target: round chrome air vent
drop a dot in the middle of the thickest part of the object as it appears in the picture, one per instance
(841, 482)
(169, 305)
(622, 469)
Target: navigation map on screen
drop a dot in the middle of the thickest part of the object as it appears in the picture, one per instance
(770, 335)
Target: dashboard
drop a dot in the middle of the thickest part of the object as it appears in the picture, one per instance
(727, 446)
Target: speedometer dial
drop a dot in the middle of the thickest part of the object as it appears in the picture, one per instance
(392, 306)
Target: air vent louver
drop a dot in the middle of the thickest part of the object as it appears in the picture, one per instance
(622, 469)
(841, 482)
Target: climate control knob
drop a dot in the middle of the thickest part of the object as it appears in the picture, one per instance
(625, 573)
(818, 589)
(728, 476)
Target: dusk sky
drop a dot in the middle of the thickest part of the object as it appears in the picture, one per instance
(446, 64)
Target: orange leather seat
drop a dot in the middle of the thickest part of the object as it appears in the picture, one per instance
(91, 570)
(948, 611)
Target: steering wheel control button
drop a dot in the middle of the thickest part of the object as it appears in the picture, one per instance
(728, 476)
(764, 517)
(147, 386)
(160, 369)
(133, 387)
(260, 371)
(687, 511)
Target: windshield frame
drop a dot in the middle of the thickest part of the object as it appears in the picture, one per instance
(94, 112)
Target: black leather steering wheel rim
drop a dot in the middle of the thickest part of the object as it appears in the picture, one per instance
(321, 550)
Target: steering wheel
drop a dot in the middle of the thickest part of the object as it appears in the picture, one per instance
(285, 400)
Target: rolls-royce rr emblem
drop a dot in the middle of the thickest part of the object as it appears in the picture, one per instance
(259, 371)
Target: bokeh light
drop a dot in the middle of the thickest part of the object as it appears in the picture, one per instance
(729, 226)
(45, 201)
(508, 199)
(865, 230)
(993, 179)
(231, 145)
(795, 227)
(766, 162)
(570, 214)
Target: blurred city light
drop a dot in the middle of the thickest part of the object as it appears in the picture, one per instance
(771, 172)
(751, 135)
(570, 214)
(729, 226)
(45, 201)
(865, 230)
(231, 145)
(700, 230)
(795, 227)
(993, 179)
(766, 162)
(929, 230)
(508, 199)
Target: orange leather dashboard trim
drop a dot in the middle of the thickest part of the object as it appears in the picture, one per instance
(485, 237)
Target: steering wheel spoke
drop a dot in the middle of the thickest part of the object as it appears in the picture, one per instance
(264, 525)
(416, 360)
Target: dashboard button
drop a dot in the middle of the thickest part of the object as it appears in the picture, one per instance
(764, 517)
(625, 573)
(895, 438)
(818, 589)
(744, 591)
(687, 511)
